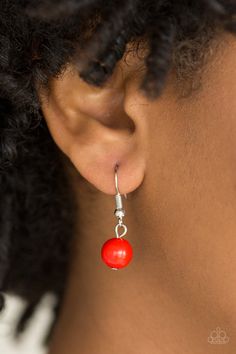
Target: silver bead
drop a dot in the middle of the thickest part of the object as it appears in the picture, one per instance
(119, 213)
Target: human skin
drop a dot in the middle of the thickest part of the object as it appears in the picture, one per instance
(177, 159)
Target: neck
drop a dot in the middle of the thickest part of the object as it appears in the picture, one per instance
(167, 300)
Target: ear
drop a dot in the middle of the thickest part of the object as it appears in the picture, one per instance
(98, 128)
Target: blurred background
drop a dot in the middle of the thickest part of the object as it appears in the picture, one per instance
(31, 341)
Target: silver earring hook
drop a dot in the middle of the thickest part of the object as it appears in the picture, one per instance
(119, 211)
(116, 182)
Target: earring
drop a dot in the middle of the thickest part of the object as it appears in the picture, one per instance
(117, 252)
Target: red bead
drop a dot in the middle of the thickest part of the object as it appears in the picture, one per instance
(116, 252)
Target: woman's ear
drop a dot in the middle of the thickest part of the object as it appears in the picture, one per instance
(99, 128)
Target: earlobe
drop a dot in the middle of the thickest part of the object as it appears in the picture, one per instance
(90, 125)
(101, 152)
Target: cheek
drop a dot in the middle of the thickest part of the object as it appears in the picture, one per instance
(190, 182)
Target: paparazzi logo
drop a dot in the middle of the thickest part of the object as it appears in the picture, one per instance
(218, 336)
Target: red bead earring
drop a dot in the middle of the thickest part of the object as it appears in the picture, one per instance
(117, 252)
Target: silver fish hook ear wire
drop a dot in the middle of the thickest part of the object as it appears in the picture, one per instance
(119, 211)
(116, 181)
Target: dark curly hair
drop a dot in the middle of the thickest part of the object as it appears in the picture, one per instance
(38, 38)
